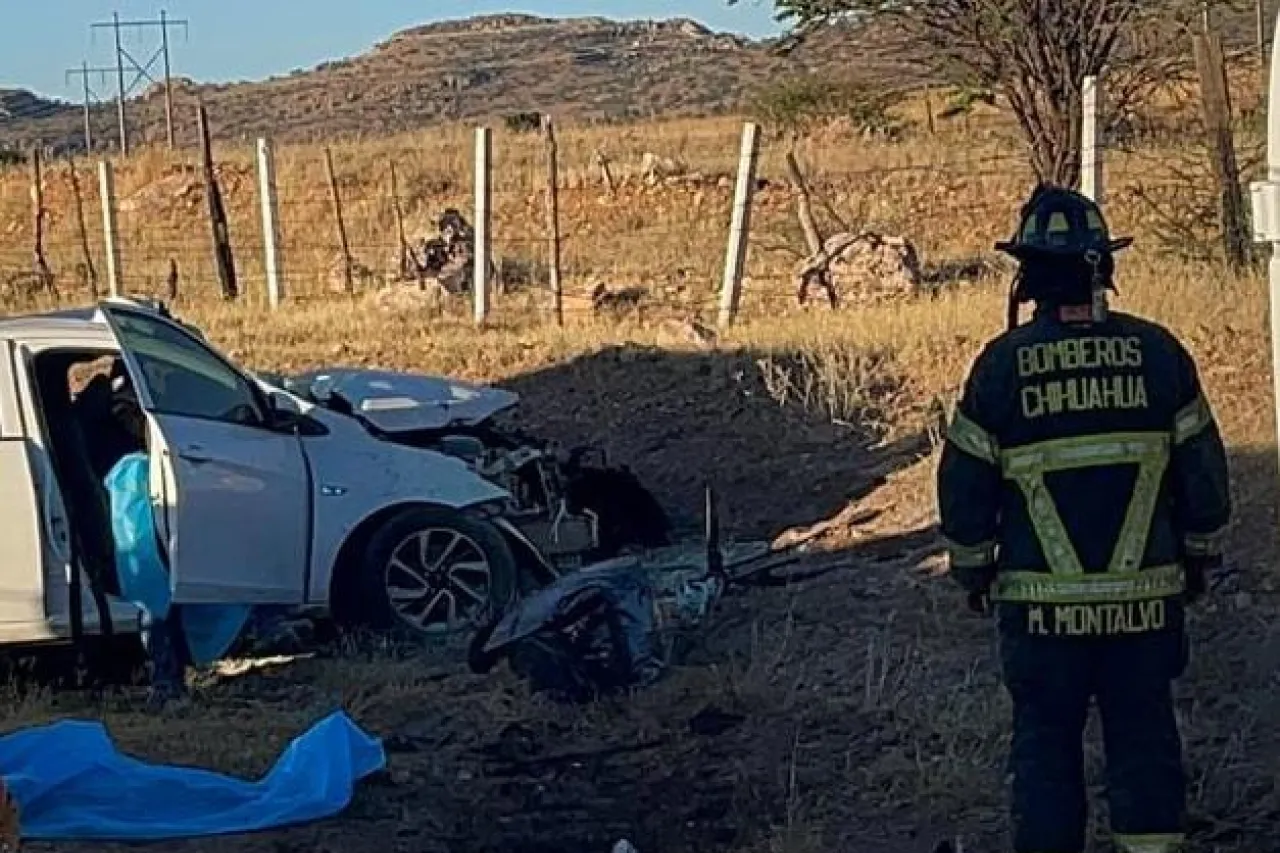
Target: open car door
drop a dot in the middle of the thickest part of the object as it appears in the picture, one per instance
(231, 496)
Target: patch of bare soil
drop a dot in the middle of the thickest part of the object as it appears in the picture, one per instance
(680, 419)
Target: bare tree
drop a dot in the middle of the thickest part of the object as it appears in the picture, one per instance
(1035, 53)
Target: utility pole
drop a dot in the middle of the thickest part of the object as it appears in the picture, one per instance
(124, 125)
(142, 70)
(90, 96)
(168, 80)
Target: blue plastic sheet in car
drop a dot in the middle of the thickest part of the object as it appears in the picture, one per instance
(71, 783)
(210, 629)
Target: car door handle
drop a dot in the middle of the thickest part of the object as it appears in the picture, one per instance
(194, 454)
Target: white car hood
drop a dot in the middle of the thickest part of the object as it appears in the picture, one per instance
(402, 402)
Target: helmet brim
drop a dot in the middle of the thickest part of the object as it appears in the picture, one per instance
(1021, 250)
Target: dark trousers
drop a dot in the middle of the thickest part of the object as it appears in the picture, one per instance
(1051, 679)
(167, 647)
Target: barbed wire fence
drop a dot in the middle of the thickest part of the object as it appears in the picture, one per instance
(689, 222)
(625, 219)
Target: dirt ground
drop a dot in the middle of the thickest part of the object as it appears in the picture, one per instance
(860, 710)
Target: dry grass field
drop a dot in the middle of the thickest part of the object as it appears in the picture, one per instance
(871, 714)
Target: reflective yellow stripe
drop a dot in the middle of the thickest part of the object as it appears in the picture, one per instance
(973, 439)
(1168, 843)
(1064, 454)
(1093, 588)
(1191, 420)
(971, 556)
(1205, 545)
(1052, 533)
(1132, 541)
(1027, 466)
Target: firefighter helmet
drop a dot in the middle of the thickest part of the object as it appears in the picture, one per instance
(1061, 222)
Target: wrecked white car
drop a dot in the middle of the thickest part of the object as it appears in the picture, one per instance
(260, 496)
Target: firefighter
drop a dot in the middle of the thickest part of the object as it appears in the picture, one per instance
(1083, 493)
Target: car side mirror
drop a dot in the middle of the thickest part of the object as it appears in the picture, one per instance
(284, 414)
(287, 417)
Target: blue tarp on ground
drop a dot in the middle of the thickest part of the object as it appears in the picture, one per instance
(71, 783)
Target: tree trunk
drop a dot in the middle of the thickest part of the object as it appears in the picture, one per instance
(1051, 127)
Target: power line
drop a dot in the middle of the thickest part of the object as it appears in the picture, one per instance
(141, 70)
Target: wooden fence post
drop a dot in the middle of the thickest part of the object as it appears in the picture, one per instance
(483, 239)
(39, 262)
(347, 277)
(90, 272)
(1090, 144)
(110, 229)
(405, 266)
(223, 260)
(553, 221)
(812, 236)
(270, 221)
(171, 281)
(740, 226)
(1216, 104)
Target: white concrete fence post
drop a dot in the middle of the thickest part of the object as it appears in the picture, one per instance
(1265, 196)
(740, 226)
(1091, 152)
(270, 222)
(110, 229)
(483, 238)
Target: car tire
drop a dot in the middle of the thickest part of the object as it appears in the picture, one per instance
(455, 560)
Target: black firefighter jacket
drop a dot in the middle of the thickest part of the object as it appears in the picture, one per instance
(1084, 463)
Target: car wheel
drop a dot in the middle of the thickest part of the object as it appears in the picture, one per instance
(432, 573)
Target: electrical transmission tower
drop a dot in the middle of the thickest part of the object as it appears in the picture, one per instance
(84, 72)
(141, 70)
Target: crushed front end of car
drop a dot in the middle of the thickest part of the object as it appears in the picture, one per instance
(570, 503)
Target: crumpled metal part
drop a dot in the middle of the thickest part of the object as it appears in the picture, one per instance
(599, 631)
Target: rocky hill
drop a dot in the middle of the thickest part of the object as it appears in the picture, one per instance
(19, 104)
(582, 69)
(578, 69)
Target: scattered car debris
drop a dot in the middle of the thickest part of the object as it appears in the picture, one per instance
(619, 624)
(588, 635)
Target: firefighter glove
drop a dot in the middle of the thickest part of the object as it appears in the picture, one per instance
(980, 603)
(1197, 571)
(976, 581)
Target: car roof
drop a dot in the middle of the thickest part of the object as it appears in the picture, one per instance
(68, 320)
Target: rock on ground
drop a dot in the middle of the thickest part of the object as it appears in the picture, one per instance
(868, 267)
